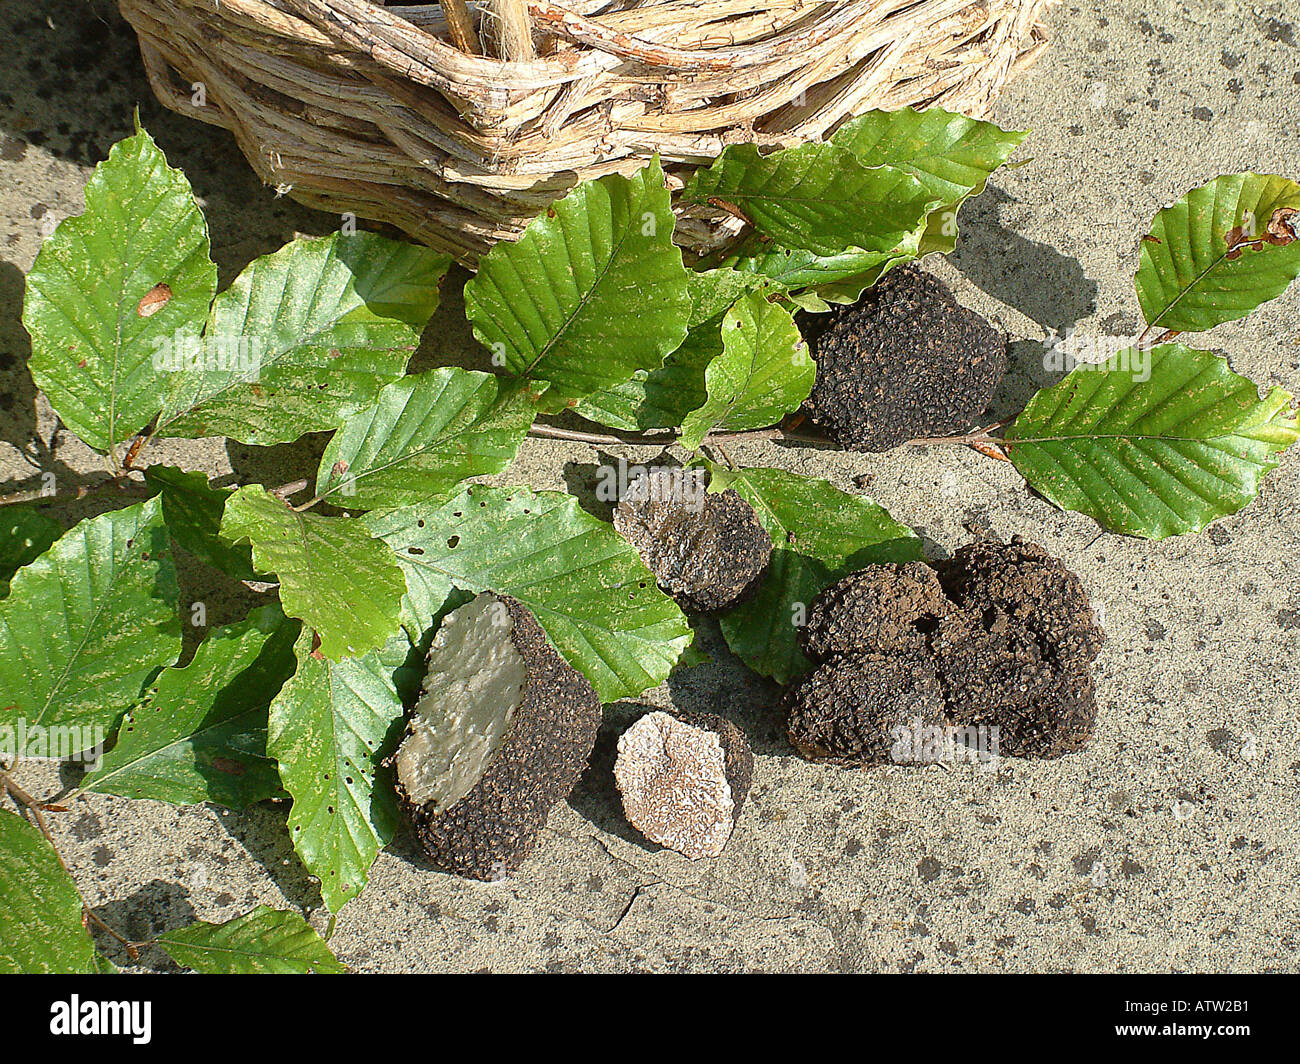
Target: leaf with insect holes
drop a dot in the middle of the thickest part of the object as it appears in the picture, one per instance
(660, 398)
(304, 338)
(1219, 252)
(264, 942)
(763, 373)
(86, 626)
(331, 725)
(424, 435)
(333, 574)
(199, 735)
(41, 929)
(192, 509)
(586, 585)
(1152, 457)
(819, 534)
(557, 305)
(816, 197)
(25, 534)
(951, 155)
(110, 286)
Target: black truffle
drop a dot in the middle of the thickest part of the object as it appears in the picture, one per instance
(684, 779)
(883, 609)
(709, 552)
(1005, 630)
(500, 733)
(906, 361)
(849, 709)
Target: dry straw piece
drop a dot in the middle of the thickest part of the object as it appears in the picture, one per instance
(457, 122)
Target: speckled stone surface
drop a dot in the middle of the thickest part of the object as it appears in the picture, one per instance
(1169, 843)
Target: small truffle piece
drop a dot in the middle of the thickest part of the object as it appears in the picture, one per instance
(684, 779)
(500, 733)
(848, 709)
(906, 361)
(709, 552)
(882, 609)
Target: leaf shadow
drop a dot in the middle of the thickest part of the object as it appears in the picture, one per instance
(1033, 277)
(263, 831)
(153, 910)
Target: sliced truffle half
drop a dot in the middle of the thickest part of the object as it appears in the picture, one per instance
(683, 780)
(501, 731)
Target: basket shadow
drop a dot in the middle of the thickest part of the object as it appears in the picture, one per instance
(71, 79)
(154, 909)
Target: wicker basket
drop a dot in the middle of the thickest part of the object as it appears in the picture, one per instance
(457, 122)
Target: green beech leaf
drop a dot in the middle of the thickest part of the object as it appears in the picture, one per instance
(764, 372)
(25, 534)
(424, 435)
(1197, 266)
(41, 929)
(192, 510)
(332, 573)
(555, 306)
(302, 339)
(816, 197)
(951, 155)
(661, 398)
(85, 627)
(586, 585)
(93, 340)
(264, 942)
(819, 534)
(1152, 446)
(200, 733)
(330, 727)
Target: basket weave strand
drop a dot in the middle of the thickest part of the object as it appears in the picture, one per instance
(458, 122)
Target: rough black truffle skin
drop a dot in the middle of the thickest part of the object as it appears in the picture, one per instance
(492, 830)
(1006, 630)
(1034, 590)
(883, 609)
(846, 710)
(907, 361)
(709, 552)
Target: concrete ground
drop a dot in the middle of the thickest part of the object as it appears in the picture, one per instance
(1170, 843)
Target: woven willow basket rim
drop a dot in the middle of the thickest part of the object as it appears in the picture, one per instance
(457, 122)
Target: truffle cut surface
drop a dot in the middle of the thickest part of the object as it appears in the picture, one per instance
(501, 732)
(683, 780)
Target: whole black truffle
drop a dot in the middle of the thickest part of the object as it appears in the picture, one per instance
(1036, 592)
(882, 609)
(709, 552)
(1005, 630)
(849, 709)
(683, 779)
(1001, 678)
(500, 733)
(906, 361)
